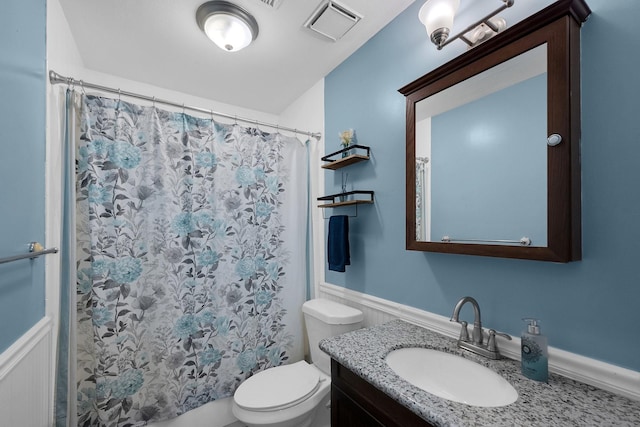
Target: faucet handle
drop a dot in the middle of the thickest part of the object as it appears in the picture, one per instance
(464, 333)
(492, 345)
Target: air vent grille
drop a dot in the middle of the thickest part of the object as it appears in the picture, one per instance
(332, 20)
(271, 3)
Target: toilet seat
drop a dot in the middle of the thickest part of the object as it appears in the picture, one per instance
(278, 388)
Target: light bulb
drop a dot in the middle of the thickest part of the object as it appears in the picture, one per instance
(228, 32)
(437, 16)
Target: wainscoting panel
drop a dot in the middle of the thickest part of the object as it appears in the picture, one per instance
(25, 379)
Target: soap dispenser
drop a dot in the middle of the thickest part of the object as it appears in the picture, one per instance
(535, 356)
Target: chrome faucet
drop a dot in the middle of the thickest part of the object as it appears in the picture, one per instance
(477, 323)
(476, 345)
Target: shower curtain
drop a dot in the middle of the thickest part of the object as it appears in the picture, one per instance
(190, 259)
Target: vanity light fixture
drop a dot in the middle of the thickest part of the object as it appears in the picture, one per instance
(229, 26)
(437, 16)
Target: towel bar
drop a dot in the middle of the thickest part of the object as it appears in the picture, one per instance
(35, 250)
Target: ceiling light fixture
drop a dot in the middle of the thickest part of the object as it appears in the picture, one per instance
(437, 16)
(229, 26)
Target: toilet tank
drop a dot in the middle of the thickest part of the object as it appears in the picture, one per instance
(323, 319)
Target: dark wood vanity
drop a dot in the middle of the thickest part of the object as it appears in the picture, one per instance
(356, 403)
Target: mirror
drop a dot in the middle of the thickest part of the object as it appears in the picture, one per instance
(468, 138)
(486, 174)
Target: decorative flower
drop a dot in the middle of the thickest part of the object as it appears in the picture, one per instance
(274, 356)
(272, 184)
(125, 155)
(186, 326)
(173, 255)
(100, 316)
(246, 268)
(247, 360)
(263, 209)
(245, 176)
(233, 296)
(102, 389)
(207, 317)
(204, 218)
(263, 297)
(232, 203)
(206, 160)
(126, 270)
(210, 356)
(175, 360)
(272, 270)
(183, 224)
(346, 137)
(98, 194)
(208, 258)
(100, 267)
(99, 147)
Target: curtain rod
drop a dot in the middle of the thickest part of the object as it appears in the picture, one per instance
(56, 78)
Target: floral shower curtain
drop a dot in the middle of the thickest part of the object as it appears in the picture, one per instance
(190, 259)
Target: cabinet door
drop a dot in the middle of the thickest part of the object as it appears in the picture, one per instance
(356, 402)
(347, 413)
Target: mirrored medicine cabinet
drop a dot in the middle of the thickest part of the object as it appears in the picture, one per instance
(493, 145)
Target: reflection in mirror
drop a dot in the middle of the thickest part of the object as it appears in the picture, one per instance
(481, 157)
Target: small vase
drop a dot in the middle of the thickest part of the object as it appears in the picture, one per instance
(346, 153)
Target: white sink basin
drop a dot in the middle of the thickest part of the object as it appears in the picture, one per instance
(451, 377)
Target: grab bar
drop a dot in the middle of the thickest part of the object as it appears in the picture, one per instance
(35, 250)
(525, 241)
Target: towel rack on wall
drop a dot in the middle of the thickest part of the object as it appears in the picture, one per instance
(35, 250)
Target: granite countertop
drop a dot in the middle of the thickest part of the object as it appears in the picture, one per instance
(561, 402)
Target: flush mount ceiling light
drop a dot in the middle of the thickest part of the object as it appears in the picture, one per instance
(437, 16)
(229, 26)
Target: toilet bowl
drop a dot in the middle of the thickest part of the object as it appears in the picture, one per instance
(289, 395)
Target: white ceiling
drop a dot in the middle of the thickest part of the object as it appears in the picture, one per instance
(159, 42)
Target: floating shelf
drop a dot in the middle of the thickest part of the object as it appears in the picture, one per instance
(348, 160)
(351, 198)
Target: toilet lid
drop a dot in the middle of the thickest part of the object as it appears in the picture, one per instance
(278, 388)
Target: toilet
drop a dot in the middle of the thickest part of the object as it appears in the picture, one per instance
(289, 395)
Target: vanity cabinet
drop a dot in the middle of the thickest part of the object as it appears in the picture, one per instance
(356, 403)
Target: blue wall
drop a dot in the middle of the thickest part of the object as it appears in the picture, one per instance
(22, 164)
(589, 307)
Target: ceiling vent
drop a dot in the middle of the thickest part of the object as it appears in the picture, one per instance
(332, 20)
(271, 3)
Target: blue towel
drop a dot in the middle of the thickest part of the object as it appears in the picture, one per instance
(338, 243)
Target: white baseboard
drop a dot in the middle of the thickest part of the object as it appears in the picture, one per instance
(615, 379)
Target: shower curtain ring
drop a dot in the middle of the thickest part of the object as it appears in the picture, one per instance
(153, 102)
(119, 94)
(82, 87)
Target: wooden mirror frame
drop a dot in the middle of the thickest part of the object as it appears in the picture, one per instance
(558, 26)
